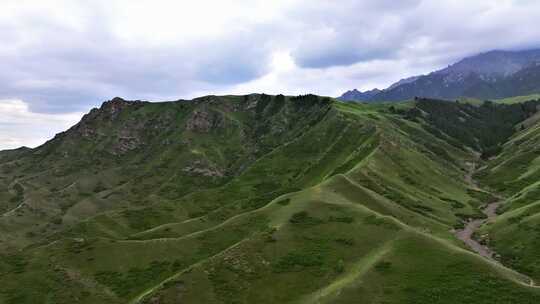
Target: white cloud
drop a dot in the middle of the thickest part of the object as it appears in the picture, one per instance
(21, 127)
(67, 55)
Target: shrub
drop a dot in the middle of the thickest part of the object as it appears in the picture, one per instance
(340, 266)
(296, 261)
(383, 266)
(341, 219)
(345, 241)
(284, 202)
(303, 218)
(57, 220)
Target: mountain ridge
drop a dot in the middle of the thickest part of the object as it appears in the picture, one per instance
(489, 75)
(358, 95)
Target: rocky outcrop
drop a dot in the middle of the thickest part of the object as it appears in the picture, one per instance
(108, 112)
(126, 144)
(202, 168)
(203, 120)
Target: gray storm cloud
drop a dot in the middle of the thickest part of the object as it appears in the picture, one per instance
(57, 63)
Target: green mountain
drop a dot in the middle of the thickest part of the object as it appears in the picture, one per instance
(274, 199)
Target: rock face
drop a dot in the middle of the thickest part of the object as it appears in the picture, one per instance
(203, 120)
(126, 143)
(105, 127)
(127, 129)
(107, 113)
(203, 168)
(113, 107)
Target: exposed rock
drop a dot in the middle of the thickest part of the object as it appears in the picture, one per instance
(126, 144)
(109, 111)
(199, 168)
(112, 108)
(203, 120)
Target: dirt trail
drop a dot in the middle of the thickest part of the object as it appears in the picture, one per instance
(490, 210)
(466, 234)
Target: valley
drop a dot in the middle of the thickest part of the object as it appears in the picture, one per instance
(269, 152)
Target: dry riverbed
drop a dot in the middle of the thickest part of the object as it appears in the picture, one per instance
(466, 234)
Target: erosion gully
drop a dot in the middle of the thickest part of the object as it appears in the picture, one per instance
(467, 233)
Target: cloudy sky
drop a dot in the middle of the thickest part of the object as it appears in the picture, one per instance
(61, 58)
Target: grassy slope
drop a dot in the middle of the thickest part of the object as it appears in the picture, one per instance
(379, 197)
(518, 99)
(318, 259)
(508, 100)
(364, 258)
(86, 173)
(516, 174)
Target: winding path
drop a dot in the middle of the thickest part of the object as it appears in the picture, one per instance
(466, 234)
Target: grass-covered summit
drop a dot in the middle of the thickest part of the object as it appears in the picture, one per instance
(258, 199)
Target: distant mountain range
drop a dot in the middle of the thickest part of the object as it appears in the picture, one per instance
(495, 74)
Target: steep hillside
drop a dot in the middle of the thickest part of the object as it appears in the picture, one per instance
(484, 127)
(516, 174)
(472, 84)
(255, 199)
(134, 154)
(494, 64)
